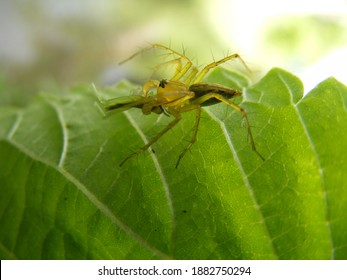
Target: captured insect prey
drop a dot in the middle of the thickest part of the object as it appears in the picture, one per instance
(183, 92)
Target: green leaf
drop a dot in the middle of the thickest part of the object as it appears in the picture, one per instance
(64, 196)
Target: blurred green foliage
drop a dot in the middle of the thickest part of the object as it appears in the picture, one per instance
(50, 45)
(314, 36)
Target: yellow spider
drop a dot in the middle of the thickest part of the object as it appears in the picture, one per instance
(182, 93)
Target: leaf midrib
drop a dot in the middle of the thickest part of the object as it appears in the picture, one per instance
(313, 148)
(244, 177)
(94, 200)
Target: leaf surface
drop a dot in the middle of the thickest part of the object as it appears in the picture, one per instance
(64, 196)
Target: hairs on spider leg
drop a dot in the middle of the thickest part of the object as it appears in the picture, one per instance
(214, 60)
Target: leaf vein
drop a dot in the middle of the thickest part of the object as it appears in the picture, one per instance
(244, 175)
(7, 251)
(93, 161)
(321, 171)
(101, 206)
(15, 125)
(64, 130)
(158, 167)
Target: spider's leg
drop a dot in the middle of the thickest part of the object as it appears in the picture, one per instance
(219, 97)
(177, 61)
(214, 64)
(147, 86)
(140, 51)
(191, 75)
(176, 99)
(195, 132)
(157, 137)
(180, 71)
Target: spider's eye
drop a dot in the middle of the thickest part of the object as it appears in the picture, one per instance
(163, 83)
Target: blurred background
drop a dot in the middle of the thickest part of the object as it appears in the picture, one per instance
(49, 45)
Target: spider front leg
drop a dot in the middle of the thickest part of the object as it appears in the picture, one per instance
(180, 70)
(147, 86)
(212, 65)
(219, 97)
(157, 137)
(195, 132)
